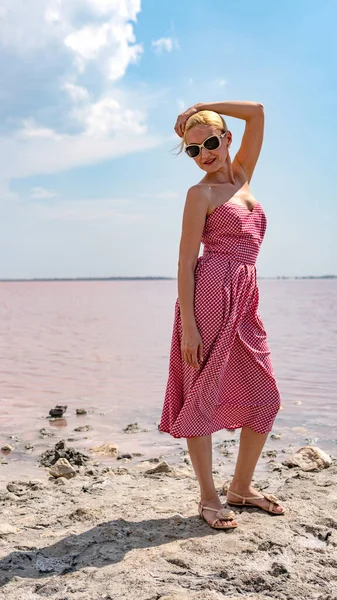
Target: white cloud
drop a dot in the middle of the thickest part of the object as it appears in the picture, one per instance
(22, 156)
(164, 44)
(3, 12)
(27, 27)
(76, 92)
(102, 121)
(125, 53)
(31, 25)
(31, 130)
(41, 193)
(128, 9)
(88, 41)
(52, 15)
(123, 209)
(106, 116)
(221, 82)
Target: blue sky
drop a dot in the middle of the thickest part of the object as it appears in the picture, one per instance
(90, 91)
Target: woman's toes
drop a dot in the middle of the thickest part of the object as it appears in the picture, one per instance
(223, 524)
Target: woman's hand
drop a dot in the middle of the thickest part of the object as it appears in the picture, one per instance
(179, 127)
(192, 347)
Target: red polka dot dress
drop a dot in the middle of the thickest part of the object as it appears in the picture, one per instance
(235, 384)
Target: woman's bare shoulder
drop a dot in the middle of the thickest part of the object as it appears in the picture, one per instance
(199, 193)
(197, 202)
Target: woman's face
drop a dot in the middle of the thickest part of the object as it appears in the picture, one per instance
(209, 160)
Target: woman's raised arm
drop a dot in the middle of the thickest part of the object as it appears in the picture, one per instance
(253, 114)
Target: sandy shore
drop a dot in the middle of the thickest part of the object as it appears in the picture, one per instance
(117, 532)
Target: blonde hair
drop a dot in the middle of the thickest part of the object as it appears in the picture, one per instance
(203, 117)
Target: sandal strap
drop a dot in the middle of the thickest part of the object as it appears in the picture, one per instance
(222, 514)
(244, 498)
(272, 499)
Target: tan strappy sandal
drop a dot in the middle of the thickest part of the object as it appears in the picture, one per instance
(222, 514)
(273, 501)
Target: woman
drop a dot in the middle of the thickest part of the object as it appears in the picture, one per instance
(220, 370)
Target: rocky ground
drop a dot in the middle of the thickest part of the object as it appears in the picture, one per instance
(86, 531)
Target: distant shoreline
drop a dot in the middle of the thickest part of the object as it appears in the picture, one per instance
(37, 280)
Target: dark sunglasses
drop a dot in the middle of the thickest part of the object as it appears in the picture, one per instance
(211, 143)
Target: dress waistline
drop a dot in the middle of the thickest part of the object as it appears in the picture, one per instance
(229, 256)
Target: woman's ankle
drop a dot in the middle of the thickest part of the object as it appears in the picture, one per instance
(207, 499)
(239, 487)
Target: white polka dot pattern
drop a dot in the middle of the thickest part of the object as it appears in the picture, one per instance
(235, 385)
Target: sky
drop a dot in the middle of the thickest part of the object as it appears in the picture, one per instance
(89, 94)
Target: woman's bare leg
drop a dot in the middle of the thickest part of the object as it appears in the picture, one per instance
(200, 450)
(251, 444)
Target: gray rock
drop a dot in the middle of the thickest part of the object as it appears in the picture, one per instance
(269, 453)
(62, 468)
(19, 488)
(46, 564)
(125, 455)
(163, 467)
(309, 458)
(131, 428)
(50, 457)
(60, 481)
(83, 428)
(58, 411)
(45, 433)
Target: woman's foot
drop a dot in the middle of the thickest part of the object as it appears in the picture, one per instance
(210, 515)
(267, 502)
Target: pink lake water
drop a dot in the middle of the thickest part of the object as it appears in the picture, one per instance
(104, 346)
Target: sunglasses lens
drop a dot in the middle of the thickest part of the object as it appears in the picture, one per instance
(212, 143)
(192, 151)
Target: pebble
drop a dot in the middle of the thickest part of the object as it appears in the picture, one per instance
(45, 433)
(131, 428)
(83, 428)
(269, 453)
(7, 448)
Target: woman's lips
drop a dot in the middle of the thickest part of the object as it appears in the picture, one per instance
(209, 162)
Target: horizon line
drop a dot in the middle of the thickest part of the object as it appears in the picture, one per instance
(148, 277)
